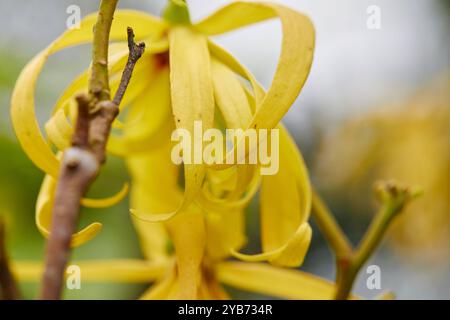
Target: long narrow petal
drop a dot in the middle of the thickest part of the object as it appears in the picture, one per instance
(233, 103)
(118, 55)
(163, 289)
(106, 202)
(58, 128)
(192, 100)
(234, 65)
(273, 281)
(44, 207)
(296, 52)
(230, 96)
(295, 59)
(149, 122)
(187, 231)
(154, 189)
(22, 102)
(225, 232)
(125, 270)
(285, 231)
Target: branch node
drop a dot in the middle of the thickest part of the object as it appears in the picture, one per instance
(136, 51)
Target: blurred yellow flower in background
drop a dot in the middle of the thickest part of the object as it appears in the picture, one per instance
(408, 142)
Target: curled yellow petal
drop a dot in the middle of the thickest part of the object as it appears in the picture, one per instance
(295, 59)
(106, 202)
(149, 122)
(291, 254)
(285, 203)
(211, 203)
(230, 96)
(44, 207)
(296, 52)
(192, 100)
(59, 130)
(22, 102)
(154, 189)
(220, 54)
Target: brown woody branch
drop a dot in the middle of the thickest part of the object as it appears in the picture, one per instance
(9, 289)
(81, 162)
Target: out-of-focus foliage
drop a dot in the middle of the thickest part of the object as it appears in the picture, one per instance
(409, 142)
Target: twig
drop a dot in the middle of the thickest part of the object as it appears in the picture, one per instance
(81, 162)
(329, 227)
(393, 199)
(9, 289)
(136, 51)
(349, 261)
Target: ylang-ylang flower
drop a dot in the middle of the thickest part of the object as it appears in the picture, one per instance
(196, 208)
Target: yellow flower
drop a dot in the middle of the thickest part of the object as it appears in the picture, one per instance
(408, 142)
(194, 272)
(183, 72)
(181, 78)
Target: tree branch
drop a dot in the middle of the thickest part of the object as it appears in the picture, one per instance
(99, 81)
(9, 289)
(81, 162)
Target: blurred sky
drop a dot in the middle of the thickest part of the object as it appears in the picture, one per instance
(354, 69)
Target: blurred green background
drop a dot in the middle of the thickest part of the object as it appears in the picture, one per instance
(356, 73)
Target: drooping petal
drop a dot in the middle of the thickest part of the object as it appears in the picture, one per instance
(285, 207)
(192, 100)
(149, 122)
(163, 289)
(106, 202)
(22, 102)
(234, 105)
(58, 128)
(154, 189)
(125, 270)
(44, 206)
(230, 96)
(273, 281)
(216, 204)
(187, 231)
(118, 55)
(234, 65)
(295, 59)
(225, 232)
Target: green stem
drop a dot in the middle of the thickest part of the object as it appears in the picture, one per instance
(177, 12)
(374, 234)
(329, 227)
(350, 261)
(367, 247)
(99, 82)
